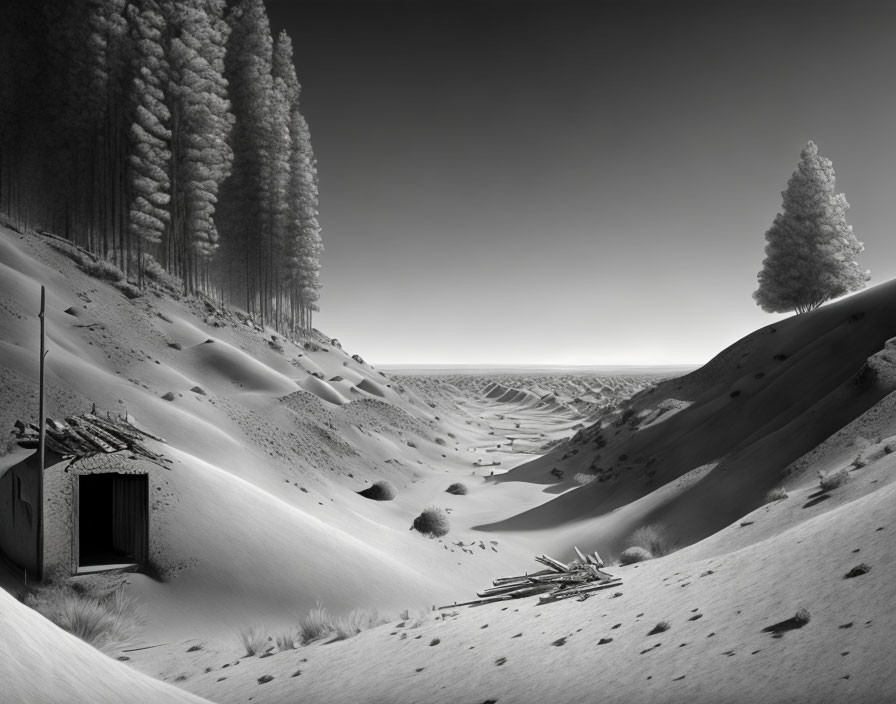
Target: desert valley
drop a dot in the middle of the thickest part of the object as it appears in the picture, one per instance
(573, 463)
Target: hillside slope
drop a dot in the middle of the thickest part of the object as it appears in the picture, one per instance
(697, 452)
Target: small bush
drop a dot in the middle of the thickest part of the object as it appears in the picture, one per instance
(169, 396)
(433, 521)
(584, 478)
(776, 494)
(801, 618)
(253, 639)
(833, 480)
(858, 570)
(379, 491)
(457, 489)
(654, 538)
(103, 270)
(315, 624)
(634, 554)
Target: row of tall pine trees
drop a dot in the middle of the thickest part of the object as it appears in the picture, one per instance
(165, 135)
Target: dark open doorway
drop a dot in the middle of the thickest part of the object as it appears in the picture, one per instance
(113, 519)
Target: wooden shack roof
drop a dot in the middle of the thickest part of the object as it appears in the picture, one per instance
(89, 434)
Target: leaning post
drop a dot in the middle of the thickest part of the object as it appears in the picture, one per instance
(41, 424)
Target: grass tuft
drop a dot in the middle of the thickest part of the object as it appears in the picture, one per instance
(254, 640)
(286, 641)
(315, 624)
(457, 489)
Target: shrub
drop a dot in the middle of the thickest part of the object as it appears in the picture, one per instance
(315, 624)
(169, 396)
(654, 538)
(253, 639)
(103, 270)
(433, 521)
(776, 494)
(379, 491)
(584, 478)
(801, 618)
(634, 554)
(457, 489)
(833, 480)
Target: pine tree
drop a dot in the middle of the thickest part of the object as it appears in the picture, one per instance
(247, 66)
(200, 126)
(810, 250)
(150, 153)
(302, 243)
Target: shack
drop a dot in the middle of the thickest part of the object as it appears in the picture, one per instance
(91, 510)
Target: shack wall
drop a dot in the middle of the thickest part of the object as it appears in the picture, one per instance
(20, 514)
(60, 511)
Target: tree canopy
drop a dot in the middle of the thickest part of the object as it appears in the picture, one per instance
(810, 250)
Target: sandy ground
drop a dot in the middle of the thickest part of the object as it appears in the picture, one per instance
(271, 439)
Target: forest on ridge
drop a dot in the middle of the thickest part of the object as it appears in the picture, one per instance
(165, 137)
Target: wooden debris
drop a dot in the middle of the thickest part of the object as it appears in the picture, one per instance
(87, 434)
(561, 581)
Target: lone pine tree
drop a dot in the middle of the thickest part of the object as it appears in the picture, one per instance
(810, 250)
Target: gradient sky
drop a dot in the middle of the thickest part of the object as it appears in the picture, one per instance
(586, 183)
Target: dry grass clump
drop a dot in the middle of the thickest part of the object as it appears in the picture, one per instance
(95, 613)
(286, 641)
(379, 491)
(654, 538)
(433, 521)
(457, 489)
(634, 554)
(254, 639)
(358, 620)
(315, 624)
(833, 480)
(103, 270)
(777, 494)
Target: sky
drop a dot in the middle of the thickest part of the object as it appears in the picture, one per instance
(578, 183)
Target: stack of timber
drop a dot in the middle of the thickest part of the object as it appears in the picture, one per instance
(88, 434)
(560, 581)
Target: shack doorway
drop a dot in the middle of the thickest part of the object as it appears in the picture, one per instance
(113, 519)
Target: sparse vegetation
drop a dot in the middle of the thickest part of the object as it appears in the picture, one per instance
(101, 269)
(379, 491)
(654, 538)
(776, 494)
(315, 624)
(358, 620)
(433, 521)
(94, 612)
(832, 480)
(458, 489)
(634, 554)
(286, 641)
(253, 639)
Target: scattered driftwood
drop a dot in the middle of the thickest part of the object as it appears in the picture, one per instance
(88, 434)
(559, 581)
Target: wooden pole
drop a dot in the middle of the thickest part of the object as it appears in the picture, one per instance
(41, 424)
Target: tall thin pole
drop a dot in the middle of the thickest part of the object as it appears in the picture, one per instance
(41, 441)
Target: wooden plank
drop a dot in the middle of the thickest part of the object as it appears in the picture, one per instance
(87, 432)
(504, 580)
(121, 433)
(577, 591)
(551, 562)
(106, 437)
(582, 559)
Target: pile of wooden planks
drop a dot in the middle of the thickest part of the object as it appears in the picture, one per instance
(559, 581)
(88, 434)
